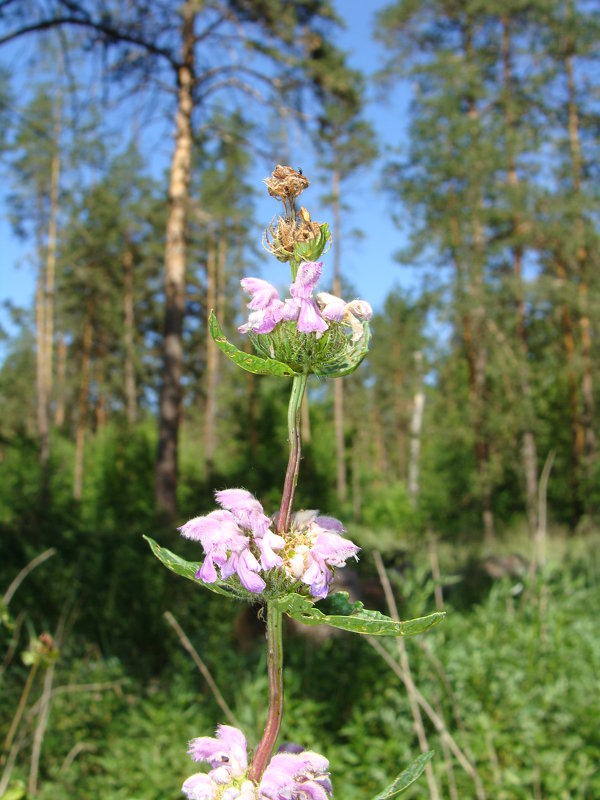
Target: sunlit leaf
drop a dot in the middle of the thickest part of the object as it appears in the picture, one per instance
(404, 780)
(247, 361)
(340, 613)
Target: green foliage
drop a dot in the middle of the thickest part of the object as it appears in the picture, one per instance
(410, 775)
(310, 250)
(500, 671)
(389, 507)
(254, 364)
(332, 355)
(188, 569)
(340, 613)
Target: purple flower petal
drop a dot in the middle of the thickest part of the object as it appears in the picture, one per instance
(217, 523)
(268, 558)
(330, 524)
(302, 775)
(246, 509)
(334, 549)
(207, 571)
(291, 309)
(310, 319)
(317, 576)
(199, 787)
(264, 320)
(332, 307)
(247, 568)
(227, 750)
(307, 278)
(262, 292)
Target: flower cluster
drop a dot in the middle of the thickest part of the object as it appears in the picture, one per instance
(227, 537)
(238, 540)
(310, 315)
(315, 546)
(289, 776)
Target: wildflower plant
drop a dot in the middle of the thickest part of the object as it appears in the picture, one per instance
(284, 560)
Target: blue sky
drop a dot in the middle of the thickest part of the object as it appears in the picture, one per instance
(367, 263)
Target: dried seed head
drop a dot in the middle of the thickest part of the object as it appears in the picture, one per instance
(283, 233)
(286, 183)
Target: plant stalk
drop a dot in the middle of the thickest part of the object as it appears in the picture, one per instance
(275, 673)
(293, 467)
(274, 615)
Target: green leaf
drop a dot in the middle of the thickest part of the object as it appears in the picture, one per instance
(311, 250)
(404, 780)
(188, 569)
(353, 616)
(349, 359)
(247, 361)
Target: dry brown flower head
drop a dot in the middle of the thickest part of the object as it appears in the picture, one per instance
(286, 183)
(283, 233)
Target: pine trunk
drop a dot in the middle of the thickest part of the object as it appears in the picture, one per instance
(471, 321)
(51, 254)
(529, 449)
(175, 254)
(587, 395)
(129, 320)
(61, 374)
(479, 353)
(101, 405)
(577, 434)
(40, 324)
(83, 403)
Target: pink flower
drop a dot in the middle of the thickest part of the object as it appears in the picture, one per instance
(267, 308)
(316, 548)
(200, 787)
(247, 568)
(296, 776)
(245, 508)
(226, 752)
(307, 278)
(302, 307)
(227, 536)
(332, 307)
(300, 775)
(250, 515)
(262, 293)
(352, 313)
(227, 757)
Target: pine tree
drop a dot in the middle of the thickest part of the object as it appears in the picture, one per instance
(346, 144)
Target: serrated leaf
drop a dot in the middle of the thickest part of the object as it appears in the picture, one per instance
(247, 361)
(188, 569)
(404, 780)
(353, 617)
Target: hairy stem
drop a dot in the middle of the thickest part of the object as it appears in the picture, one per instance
(293, 467)
(275, 673)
